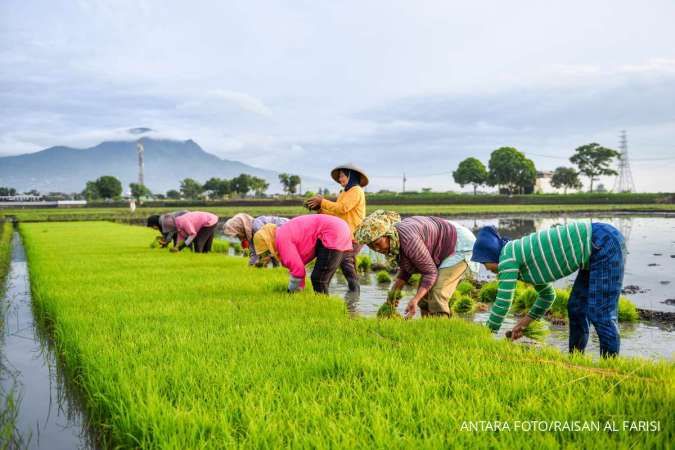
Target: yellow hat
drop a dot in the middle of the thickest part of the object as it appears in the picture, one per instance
(264, 240)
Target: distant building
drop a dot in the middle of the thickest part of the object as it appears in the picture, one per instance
(543, 183)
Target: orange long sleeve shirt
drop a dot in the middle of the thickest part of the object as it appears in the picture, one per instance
(350, 206)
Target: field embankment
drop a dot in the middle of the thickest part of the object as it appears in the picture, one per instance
(200, 351)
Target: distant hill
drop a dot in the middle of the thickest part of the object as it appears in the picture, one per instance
(66, 169)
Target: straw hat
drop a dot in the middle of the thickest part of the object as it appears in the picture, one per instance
(335, 173)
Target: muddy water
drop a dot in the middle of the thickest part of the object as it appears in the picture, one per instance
(47, 415)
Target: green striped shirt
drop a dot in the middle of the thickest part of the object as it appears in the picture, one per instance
(539, 259)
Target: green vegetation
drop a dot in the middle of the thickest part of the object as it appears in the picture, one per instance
(199, 351)
(123, 214)
(488, 292)
(383, 276)
(5, 252)
(470, 171)
(388, 311)
(363, 263)
(627, 311)
(466, 287)
(464, 305)
(594, 160)
(536, 330)
(220, 246)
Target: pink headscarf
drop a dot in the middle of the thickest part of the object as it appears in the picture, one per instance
(241, 226)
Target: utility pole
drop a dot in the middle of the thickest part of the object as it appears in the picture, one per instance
(404, 180)
(140, 150)
(624, 180)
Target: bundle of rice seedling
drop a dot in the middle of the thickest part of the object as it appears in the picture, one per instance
(383, 277)
(363, 263)
(627, 311)
(465, 287)
(524, 300)
(388, 311)
(414, 279)
(464, 305)
(394, 296)
(488, 292)
(537, 330)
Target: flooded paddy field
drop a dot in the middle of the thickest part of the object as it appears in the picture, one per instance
(649, 279)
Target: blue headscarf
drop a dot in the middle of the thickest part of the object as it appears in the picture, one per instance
(354, 178)
(488, 245)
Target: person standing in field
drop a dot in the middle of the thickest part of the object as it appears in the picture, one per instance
(194, 229)
(436, 248)
(243, 227)
(166, 224)
(597, 251)
(302, 239)
(349, 206)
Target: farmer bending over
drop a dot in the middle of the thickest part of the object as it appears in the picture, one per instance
(194, 229)
(244, 226)
(435, 248)
(349, 206)
(597, 251)
(299, 241)
(166, 224)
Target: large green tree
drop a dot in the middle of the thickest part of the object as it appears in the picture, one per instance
(594, 160)
(173, 194)
(139, 191)
(564, 178)
(470, 171)
(259, 186)
(106, 187)
(7, 191)
(191, 188)
(217, 187)
(511, 171)
(290, 182)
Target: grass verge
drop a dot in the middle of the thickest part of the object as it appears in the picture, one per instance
(200, 351)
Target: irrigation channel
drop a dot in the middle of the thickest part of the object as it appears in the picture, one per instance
(649, 280)
(45, 409)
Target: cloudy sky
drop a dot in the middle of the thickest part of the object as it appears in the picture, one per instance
(299, 86)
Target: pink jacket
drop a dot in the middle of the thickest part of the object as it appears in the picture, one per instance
(189, 224)
(296, 240)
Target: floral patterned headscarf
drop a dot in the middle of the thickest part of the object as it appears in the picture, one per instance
(241, 226)
(378, 224)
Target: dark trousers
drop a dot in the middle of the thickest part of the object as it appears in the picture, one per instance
(595, 295)
(348, 268)
(202, 243)
(327, 262)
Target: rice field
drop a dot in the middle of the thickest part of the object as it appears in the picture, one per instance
(200, 351)
(123, 214)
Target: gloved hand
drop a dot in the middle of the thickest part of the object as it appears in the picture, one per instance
(294, 284)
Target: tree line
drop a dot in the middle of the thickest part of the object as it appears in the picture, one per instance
(108, 187)
(512, 173)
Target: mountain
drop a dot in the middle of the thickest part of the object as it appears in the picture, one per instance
(66, 169)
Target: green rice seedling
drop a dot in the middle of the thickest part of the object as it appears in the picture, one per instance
(237, 248)
(388, 311)
(466, 287)
(537, 330)
(363, 263)
(394, 296)
(488, 292)
(414, 279)
(220, 246)
(559, 307)
(524, 300)
(464, 305)
(200, 351)
(627, 310)
(383, 277)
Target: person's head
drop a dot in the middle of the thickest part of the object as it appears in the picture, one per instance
(488, 248)
(381, 245)
(378, 231)
(239, 226)
(343, 177)
(348, 176)
(153, 222)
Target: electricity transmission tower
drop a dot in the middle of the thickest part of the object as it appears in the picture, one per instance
(624, 181)
(140, 150)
